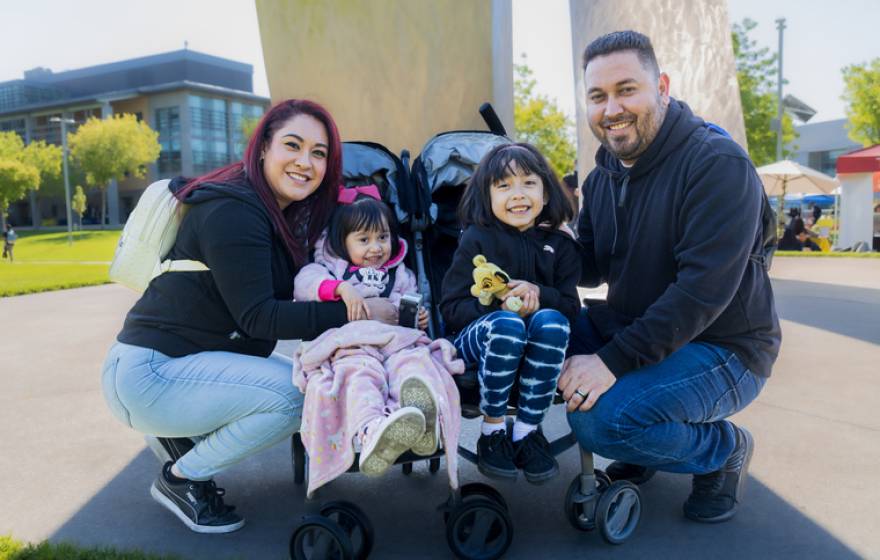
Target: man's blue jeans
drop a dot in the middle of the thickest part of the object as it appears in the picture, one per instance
(667, 416)
(239, 404)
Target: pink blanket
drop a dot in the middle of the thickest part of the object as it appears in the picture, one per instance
(353, 374)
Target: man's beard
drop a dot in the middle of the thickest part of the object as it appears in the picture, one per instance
(646, 128)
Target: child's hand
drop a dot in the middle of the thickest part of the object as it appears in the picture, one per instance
(354, 303)
(423, 318)
(529, 293)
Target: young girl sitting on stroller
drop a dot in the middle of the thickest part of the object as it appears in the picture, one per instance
(511, 212)
(361, 256)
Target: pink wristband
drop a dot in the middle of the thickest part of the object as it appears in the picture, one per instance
(327, 290)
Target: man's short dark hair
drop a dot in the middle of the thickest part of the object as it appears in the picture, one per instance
(623, 41)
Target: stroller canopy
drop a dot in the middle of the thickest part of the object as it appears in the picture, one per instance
(450, 158)
(365, 163)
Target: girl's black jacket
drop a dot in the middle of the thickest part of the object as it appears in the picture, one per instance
(548, 258)
(243, 304)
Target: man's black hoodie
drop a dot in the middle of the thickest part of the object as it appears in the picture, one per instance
(243, 303)
(672, 236)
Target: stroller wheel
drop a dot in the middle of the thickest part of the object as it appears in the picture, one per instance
(474, 491)
(317, 537)
(406, 468)
(479, 528)
(483, 490)
(618, 511)
(579, 511)
(434, 465)
(355, 523)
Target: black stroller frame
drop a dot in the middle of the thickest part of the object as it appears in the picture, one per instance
(478, 525)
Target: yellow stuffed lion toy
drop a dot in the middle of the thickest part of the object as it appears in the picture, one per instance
(490, 282)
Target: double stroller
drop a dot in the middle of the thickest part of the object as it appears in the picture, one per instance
(425, 194)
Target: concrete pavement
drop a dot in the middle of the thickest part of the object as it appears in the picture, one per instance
(71, 472)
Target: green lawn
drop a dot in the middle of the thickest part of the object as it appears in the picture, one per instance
(44, 261)
(97, 245)
(831, 255)
(11, 549)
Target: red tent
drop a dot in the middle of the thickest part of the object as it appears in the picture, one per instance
(866, 160)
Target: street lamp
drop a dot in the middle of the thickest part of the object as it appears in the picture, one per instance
(64, 152)
(780, 25)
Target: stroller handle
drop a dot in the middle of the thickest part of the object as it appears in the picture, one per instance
(492, 121)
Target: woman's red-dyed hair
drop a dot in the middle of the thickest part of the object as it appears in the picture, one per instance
(317, 208)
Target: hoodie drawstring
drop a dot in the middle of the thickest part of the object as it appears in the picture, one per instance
(623, 191)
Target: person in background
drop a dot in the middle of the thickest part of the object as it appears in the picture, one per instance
(9, 239)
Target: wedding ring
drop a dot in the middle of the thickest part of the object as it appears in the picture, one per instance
(582, 395)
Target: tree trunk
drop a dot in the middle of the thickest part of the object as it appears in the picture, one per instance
(2, 219)
(103, 207)
(35, 210)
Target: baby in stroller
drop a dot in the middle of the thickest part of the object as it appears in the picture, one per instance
(361, 381)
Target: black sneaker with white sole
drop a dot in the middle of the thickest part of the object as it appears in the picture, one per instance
(198, 503)
(716, 495)
(532, 455)
(495, 456)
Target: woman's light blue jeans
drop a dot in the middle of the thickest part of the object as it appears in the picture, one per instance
(668, 416)
(237, 404)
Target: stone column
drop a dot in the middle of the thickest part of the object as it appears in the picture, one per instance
(692, 42)
(392, 71)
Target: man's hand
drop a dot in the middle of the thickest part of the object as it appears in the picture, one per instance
(584, 379)
(380, 309)
(354, 302)
(529, 293)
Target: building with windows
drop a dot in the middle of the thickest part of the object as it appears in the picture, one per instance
(196, 102)
(818, 145)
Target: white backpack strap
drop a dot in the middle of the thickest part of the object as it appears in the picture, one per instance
(182, 265)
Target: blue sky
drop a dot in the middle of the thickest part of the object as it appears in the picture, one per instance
(821, 38)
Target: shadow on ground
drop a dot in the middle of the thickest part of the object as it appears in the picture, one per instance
(403, 511)
(846, 310)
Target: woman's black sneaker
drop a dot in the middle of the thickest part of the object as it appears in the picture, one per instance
(495, 455)
(715, 495)
(637, 474)
(199, 504)
(532, 455)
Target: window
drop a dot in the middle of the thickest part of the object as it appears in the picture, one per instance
(209, 136)
(826, 161)
(168, 127)
(15, 125)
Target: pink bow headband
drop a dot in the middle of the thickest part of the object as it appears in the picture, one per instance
(348, 195)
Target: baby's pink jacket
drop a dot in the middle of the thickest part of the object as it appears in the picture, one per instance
(317, 281)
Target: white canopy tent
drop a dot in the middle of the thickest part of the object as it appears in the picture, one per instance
(787, 176)
(791, 177)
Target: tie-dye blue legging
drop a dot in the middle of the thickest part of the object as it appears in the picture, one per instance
(503, 343)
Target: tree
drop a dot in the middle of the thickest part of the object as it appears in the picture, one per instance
(756, 74)
(539, 121)
(24, 167)
(113, 149)
(78, 203)
(248, 125)
(15, 180)
(862, 93)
